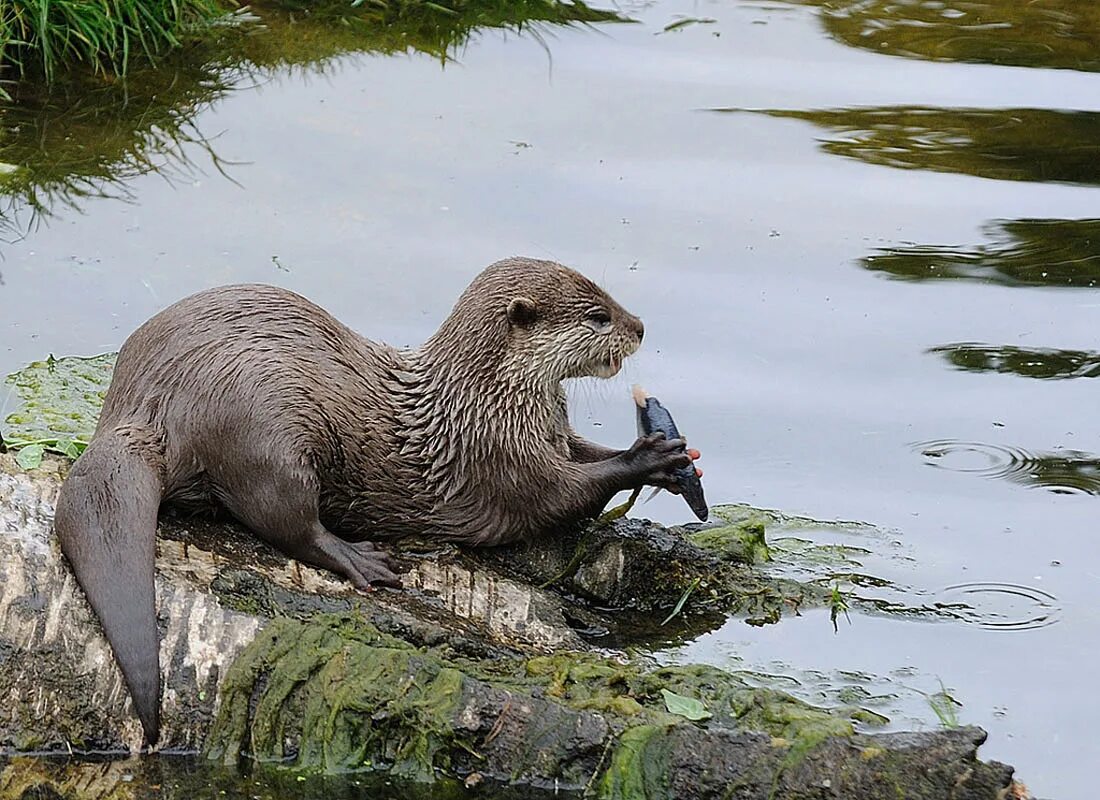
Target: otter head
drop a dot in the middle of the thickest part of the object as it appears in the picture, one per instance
(536, 322)
(559, 323)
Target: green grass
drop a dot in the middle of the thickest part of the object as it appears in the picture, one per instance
(42, 37)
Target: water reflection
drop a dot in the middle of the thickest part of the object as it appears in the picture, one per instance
(91, 137)
(1027, 362)
(1021, 252)
(1060, 34)
(1061, 472)
(1019, 144)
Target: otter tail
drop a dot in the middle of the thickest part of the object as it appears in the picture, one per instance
(106, 522)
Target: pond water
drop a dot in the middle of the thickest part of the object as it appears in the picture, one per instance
(866, 252)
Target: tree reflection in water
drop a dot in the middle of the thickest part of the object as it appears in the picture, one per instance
(90, 137)
(1022, 252)
(1052, 34)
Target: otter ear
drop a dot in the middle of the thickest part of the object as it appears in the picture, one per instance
(522, 311)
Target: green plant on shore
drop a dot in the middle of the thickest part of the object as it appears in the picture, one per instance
(42, 36)
(87, 135)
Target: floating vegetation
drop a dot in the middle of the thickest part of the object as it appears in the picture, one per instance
(1021, 252)
(1027, 362)
(944, 706)
(861, 568)
(1061, 472)
(58, 403)
(1051, 34)
(1018, 144)
(837, 606)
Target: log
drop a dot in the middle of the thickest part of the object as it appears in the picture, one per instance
(472, 674)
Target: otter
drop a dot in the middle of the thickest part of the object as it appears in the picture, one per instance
(252, 399)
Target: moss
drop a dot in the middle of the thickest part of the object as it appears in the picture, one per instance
(335, 694)
(741, 541)
(351, 696)
(639, 766)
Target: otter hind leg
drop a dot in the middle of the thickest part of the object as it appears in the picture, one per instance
(360, 562)
(282, 511)
(106, 522)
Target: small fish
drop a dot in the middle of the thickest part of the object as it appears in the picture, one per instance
(653, 418)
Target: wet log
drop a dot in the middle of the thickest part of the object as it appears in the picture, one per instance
(471, 675)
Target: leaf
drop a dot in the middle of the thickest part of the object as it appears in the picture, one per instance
(683, 599)
(686, 707)
(30, 457)
(68, 448)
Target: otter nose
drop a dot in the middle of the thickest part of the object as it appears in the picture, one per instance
(639, 328)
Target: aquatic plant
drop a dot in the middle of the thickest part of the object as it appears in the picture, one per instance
(58, 404)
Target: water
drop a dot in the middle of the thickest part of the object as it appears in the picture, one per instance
(876, 301)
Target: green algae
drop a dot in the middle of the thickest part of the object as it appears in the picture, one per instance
(334, 694)
(59, 400)
(350, 696)
(639, 766)
(741, 539)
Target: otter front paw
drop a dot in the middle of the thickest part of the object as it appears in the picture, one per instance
(653, 460)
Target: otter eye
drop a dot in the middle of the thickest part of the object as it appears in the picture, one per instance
(598, 320)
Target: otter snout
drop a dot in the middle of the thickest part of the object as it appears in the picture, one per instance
(631, 324)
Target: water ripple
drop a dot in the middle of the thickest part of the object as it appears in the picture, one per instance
(1000, 606)
(1061, 472)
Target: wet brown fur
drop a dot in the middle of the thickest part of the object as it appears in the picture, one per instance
(253, 399)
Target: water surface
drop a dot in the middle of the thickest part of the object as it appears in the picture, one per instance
(895, 260)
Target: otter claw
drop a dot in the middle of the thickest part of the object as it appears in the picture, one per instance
(367, 566)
